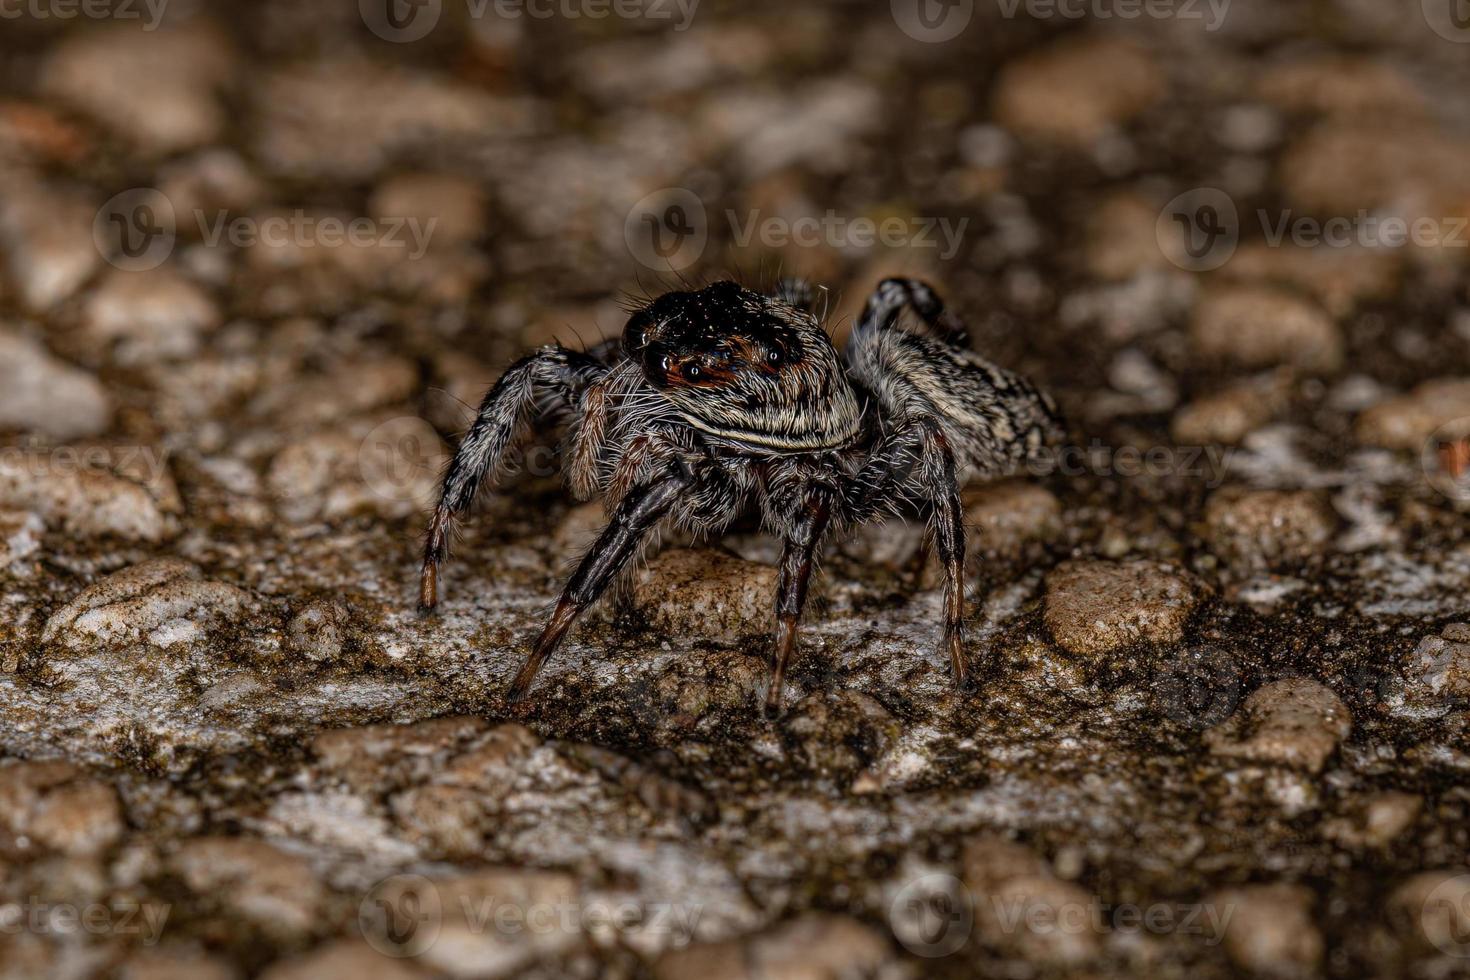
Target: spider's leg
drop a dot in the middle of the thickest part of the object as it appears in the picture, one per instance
(640, 511)
(797, 558)
(892, 296)
(503, 415)
(916, 460)
(796, 292)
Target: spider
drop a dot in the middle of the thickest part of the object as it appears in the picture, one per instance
(722, 402)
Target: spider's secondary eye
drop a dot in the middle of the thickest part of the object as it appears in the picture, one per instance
(775, 357)
(692, 372)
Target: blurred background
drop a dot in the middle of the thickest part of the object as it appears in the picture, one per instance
(257, 261)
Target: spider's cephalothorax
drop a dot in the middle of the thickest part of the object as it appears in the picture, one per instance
(723, 401)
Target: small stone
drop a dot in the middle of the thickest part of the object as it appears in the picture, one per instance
(814, 945)
(146, 600)
(93, 491)
(47, 239)
(1003, 517)
(1269, 929)
(1437, 671)
(837, 733)
(1054, 96)
(1339, 277)
(706, 594)
(46, 803)
(344, 959)
(357, 468)
(1347, 85)
(163, 963)
(374, 757)
(1024, 910)
(1096, 607)
(43, 395)
(1432, 911)
(1407, 421)
(1267, 528)
(318, 630)
(1122, 238)
(1376, 822)
(253, 880)
(1262, 326)
(154, 88)
(1292, 722)
(450, 210)
(20, 535)
(1229, 415)
(148, 316)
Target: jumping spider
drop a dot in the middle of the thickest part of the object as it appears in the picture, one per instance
(724, 402)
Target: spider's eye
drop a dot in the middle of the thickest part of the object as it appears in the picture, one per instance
(635, 335)
(692, 372)
(775, 358)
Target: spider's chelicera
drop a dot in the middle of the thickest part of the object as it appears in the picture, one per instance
(724, 402)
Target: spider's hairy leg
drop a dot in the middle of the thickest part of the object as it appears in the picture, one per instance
(892, 296)
(640, 511)
(916, 460)
(797, 557)
(796, 292)
(503, 416)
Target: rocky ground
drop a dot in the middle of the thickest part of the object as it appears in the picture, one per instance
(1226, 726)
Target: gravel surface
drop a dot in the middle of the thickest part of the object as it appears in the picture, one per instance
(257, 261)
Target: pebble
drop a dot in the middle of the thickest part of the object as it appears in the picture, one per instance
(1002, 518)
(46, 396)
(1437, 671)
(1229, 415)
(1122, 238)
(164, 963)
(51, 804)
(1267, 528)
(449, 209)
(69, 493)
(1259, 326)
(254, 880)
(1377, 821)
(706, 594)
(1292, 722)
(1345, 85)
(47, 238)
(1053, 96)
(318, 630)
(153, 88)
(142, 317)
(344, 959)
(1023, 909)
(336, 473)
(1341, 278)
(20, 536)
(162, 600)
(1405, 422)
(1269, 929)
(811, 946)
(1097, 607)
(374, 758)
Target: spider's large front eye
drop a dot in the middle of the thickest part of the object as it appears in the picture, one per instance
(635, 334)
(775, 357)
(692, 372)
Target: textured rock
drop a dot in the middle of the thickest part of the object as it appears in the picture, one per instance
(93, 491)
(1023, 909)
(1340, 277)
(47, 238)
(1230, 414)
(1438, 669)
(41, 394)
(1261, 326)
(1262, 528)
(50, 805)
(346, 959)
(1407, 421)
(706, 593)
(148, 316)
(20, 535)
(273, 889)
(1003, 517)
(1270, 929)
(163, 600)
(1377, 822)
(1053, 95)
(1292, 722)
(1096, 607)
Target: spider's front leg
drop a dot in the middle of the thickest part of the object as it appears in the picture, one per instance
(503, 416)
(916, 461)
(639, 512)
(797, 557)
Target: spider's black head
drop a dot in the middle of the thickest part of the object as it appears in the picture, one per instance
(745, 368)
